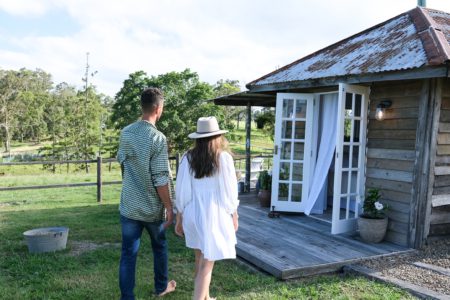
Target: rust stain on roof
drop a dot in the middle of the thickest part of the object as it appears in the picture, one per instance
(417, 38)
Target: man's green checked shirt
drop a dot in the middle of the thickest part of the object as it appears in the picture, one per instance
(143, 156)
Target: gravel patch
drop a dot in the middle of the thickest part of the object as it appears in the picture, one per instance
(436, 253)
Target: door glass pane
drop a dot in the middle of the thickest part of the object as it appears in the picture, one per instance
(284, 170)
(285, 150)
(355, 161)
(348, 104)
(347, 129)
(286, 130)
(350, 157)
(353, 178)
(283, 191)
(343, 208)
(299, 149)
(296, 195)
(297, 172)
(353, 209)
(344, 182)
(300, 130)
(288, 108)
(352, 213)
(358, 104)
(345, 158)
(300, 110)
(356, 130)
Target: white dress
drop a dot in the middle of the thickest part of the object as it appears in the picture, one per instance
(207, 205)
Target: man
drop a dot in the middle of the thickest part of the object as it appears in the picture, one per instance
(145, 201)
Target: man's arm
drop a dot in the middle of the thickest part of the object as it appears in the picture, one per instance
(164, 195)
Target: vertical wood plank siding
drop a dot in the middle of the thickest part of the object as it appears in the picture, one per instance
(439, 221)
(391, 154)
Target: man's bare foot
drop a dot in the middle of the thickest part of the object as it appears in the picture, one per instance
(170, 288)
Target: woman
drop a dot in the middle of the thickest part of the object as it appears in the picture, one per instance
(206, 202)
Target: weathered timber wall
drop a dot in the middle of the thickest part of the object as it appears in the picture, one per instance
(391, 154)
(440, 200)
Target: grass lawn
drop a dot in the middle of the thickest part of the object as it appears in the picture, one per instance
(31, 175)
(88, 268)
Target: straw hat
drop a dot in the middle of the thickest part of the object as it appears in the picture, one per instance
(206, 127)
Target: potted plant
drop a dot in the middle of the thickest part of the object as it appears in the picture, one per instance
(265, 188)
(372, 223)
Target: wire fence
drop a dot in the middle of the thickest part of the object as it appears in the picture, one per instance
(51, 166)
(107, 172)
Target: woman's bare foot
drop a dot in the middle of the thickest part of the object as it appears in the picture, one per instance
(170, 288)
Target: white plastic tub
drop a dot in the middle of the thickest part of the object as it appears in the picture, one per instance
(47, 239)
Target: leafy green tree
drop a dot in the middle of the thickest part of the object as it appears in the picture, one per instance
(266, 121)
(88, 124)
(8, 104)
(74, 123)
(33, 97)
(59, 117)
(23, 94)
(127, 108)
(228, 87)
(186, 99)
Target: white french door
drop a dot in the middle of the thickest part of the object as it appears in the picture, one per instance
(349, 176)
(292, 157)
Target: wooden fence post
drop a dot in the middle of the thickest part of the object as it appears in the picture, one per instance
(99, 179)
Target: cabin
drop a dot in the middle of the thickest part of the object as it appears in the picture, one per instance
(370, 111)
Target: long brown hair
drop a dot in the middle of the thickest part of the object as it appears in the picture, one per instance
(204, 157)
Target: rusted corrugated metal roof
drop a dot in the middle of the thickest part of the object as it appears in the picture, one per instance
(419, 37)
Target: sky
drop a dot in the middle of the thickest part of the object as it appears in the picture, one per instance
(233, 39)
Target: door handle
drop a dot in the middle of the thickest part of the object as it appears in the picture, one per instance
(275, 150)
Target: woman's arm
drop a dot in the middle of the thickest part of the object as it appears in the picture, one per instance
(179, 225)
(235, 221)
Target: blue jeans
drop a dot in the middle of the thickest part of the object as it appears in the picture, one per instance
(131, 238)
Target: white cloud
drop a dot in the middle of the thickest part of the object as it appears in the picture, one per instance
(218, 39)
(26, 7)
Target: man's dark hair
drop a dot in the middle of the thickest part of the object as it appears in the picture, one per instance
(150, 99)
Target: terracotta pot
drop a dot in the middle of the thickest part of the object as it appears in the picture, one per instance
(264, 198)
(372, 230)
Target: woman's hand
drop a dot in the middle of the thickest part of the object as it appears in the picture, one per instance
(235, 221)
(179, 225)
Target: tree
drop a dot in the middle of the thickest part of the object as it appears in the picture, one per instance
(228, 87)
(73, 127)
(33, 97)
(127, 108)
(8, 103)
(265, 120)
(23, 95)
(185, 101)
(59, 117)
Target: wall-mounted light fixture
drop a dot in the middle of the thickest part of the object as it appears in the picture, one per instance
(379, 113)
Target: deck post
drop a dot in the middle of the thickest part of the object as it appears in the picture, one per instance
(248, 125)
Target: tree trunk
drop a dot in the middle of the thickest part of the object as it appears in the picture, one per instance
(7, 141)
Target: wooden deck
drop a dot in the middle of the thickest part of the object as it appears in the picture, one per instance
(296, 245)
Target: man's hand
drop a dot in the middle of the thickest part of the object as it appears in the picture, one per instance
(169, 218)
(164, 195)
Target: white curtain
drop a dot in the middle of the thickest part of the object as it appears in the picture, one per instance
(327, 144)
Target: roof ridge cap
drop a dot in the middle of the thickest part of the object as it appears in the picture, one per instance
(436, 46)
